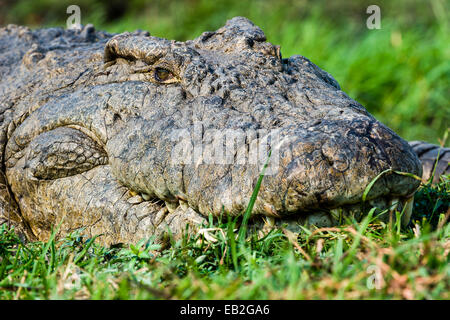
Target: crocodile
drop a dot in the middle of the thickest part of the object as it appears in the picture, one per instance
(131, 136)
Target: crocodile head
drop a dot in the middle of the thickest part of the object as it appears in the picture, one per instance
(131, 133)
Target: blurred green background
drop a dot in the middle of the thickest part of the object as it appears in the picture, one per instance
(400, 73)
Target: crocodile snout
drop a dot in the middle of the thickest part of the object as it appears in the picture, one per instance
(332, 167)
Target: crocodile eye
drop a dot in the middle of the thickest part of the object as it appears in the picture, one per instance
(163, 75)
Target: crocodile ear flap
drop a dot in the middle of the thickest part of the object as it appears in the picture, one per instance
(134, 47)
(236, 35)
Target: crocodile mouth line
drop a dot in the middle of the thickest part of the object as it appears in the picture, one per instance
(384, 209)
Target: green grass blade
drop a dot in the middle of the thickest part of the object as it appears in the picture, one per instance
(370, 185)
(243, 228)
(85, 250)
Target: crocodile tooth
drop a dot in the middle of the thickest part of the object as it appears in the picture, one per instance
(145, 196)
(135, 200)
(270, 209)
(408, 205)
(269, 221)
(171, 206)
(184, 205)
(393, 204)
(160, 215)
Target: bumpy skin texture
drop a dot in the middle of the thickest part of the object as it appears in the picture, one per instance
(435, 159)
(89, 124)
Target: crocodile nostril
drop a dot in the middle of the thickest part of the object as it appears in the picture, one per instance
(116, 117)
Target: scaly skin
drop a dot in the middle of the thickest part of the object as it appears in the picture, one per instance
(92, 126)
(435, 160)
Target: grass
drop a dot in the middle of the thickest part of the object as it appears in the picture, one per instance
(365, 260)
